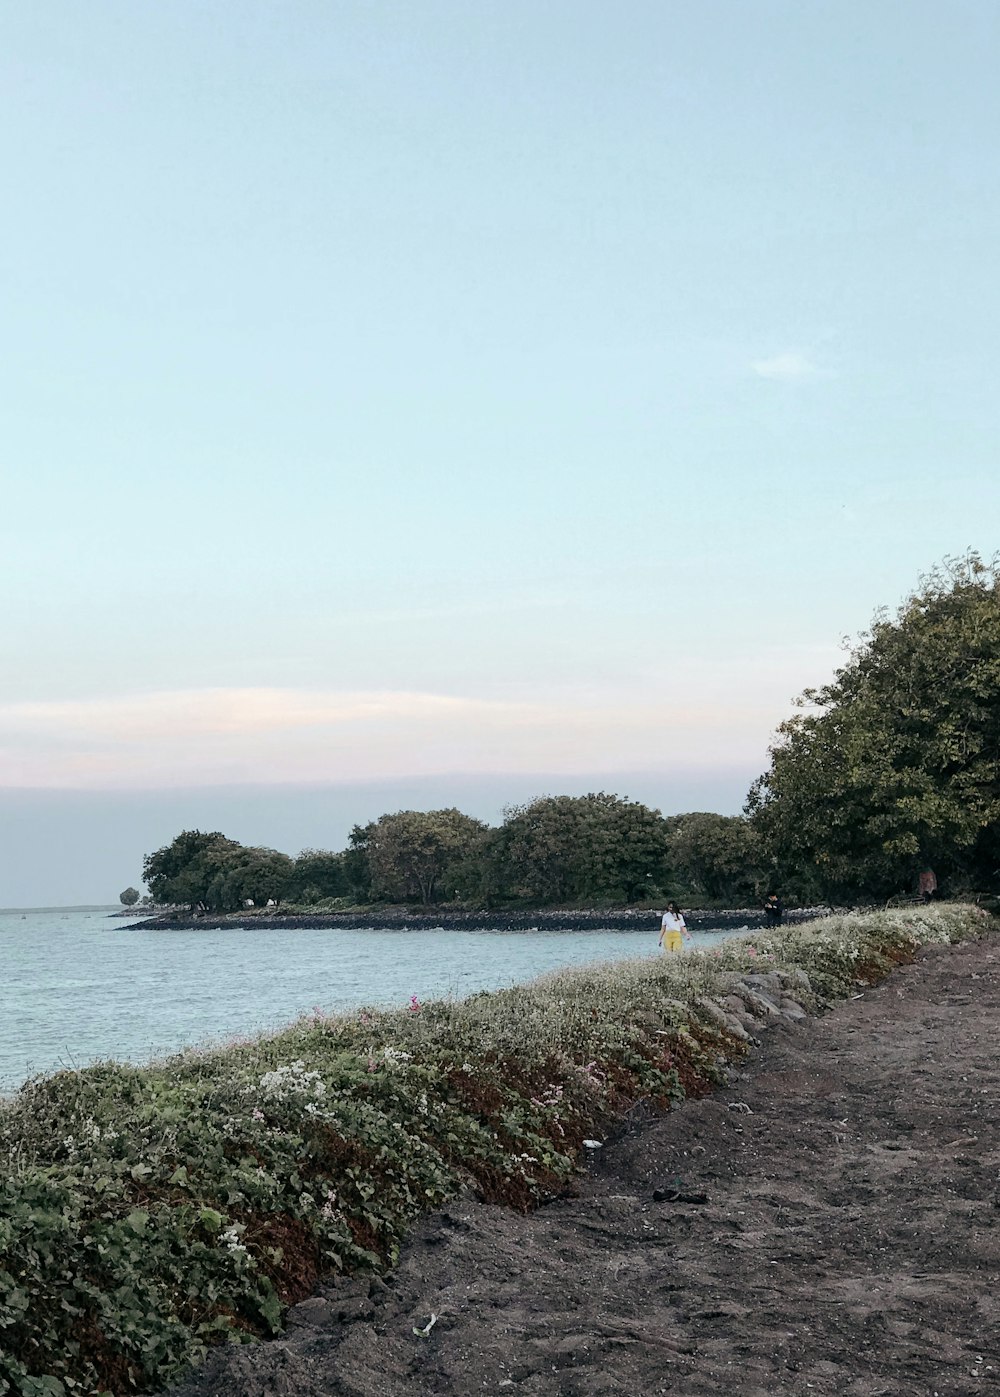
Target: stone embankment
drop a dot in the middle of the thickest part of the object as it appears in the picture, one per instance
(394, 918)
(754, 1002)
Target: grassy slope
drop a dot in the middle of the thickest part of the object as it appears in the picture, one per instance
(146, 1213)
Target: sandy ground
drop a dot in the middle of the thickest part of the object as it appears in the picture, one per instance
(847, 1245)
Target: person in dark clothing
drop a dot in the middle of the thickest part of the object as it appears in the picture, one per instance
(773, 909)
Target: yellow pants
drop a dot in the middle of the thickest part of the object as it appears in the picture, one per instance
(672, 941)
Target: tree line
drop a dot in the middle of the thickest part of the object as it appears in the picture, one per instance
(556, 850)
(892, 767)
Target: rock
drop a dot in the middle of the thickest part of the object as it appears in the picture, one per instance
(760, 1005)
(726, 1020)
(769, 983)
(735, 1006)
(791, 1009)
(714, 1011)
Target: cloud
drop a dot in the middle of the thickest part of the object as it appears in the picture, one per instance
(793, 366)
(271, 735)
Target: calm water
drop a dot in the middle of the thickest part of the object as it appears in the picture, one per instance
(76, 986)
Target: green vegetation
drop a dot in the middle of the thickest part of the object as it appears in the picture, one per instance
(129, 897)
(716, 857)
(561, 849)
(413, 855)
(216, 874)
(596, 849)
(149, 1212)
(895, 765)
(317, 876)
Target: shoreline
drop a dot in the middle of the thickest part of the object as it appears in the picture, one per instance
(394, 919)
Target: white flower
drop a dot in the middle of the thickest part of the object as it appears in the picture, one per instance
(291, 1079)
(231, 1241)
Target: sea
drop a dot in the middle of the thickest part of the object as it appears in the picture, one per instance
(78, 985)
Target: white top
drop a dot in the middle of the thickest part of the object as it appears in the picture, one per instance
(672, 921)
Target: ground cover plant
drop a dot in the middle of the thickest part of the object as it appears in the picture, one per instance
(149, 1212)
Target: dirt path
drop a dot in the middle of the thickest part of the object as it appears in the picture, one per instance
(848, 1245)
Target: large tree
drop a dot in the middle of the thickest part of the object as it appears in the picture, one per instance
(713, 856)
(215, 874)
(356, 867)
(896, 763)
(317, 874)
(411, 854)
(570, 848)
(183, 870)
(247, 874)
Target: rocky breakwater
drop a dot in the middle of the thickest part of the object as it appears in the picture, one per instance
(402, 919)
(748, 1004)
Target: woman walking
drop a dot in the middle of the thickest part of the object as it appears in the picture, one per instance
(672, 928)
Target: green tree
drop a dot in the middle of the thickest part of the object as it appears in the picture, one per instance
(713, 856)
(183, 870)
(317, 874)
(246, 874)
(896, 762)
(571, 848)
(357, 869)
(415, 854)
(129, 897)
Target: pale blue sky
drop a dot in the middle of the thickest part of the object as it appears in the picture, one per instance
(497, 390)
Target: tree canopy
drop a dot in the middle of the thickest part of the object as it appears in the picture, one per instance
(317, 875)
(556, 848)
(183, 871)
(896, 763)
(247, 874)
(569, 848)
(714, 856)
(411, 853)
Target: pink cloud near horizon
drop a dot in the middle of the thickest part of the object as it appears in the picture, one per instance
(273, 735)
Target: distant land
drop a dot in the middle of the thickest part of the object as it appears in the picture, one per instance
(78, 907)
(103, 836)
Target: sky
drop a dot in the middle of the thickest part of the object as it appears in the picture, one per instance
(414, 405)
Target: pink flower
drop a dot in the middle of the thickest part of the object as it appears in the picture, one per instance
(414, 1004)
(372, 1064)
(257, 1114)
